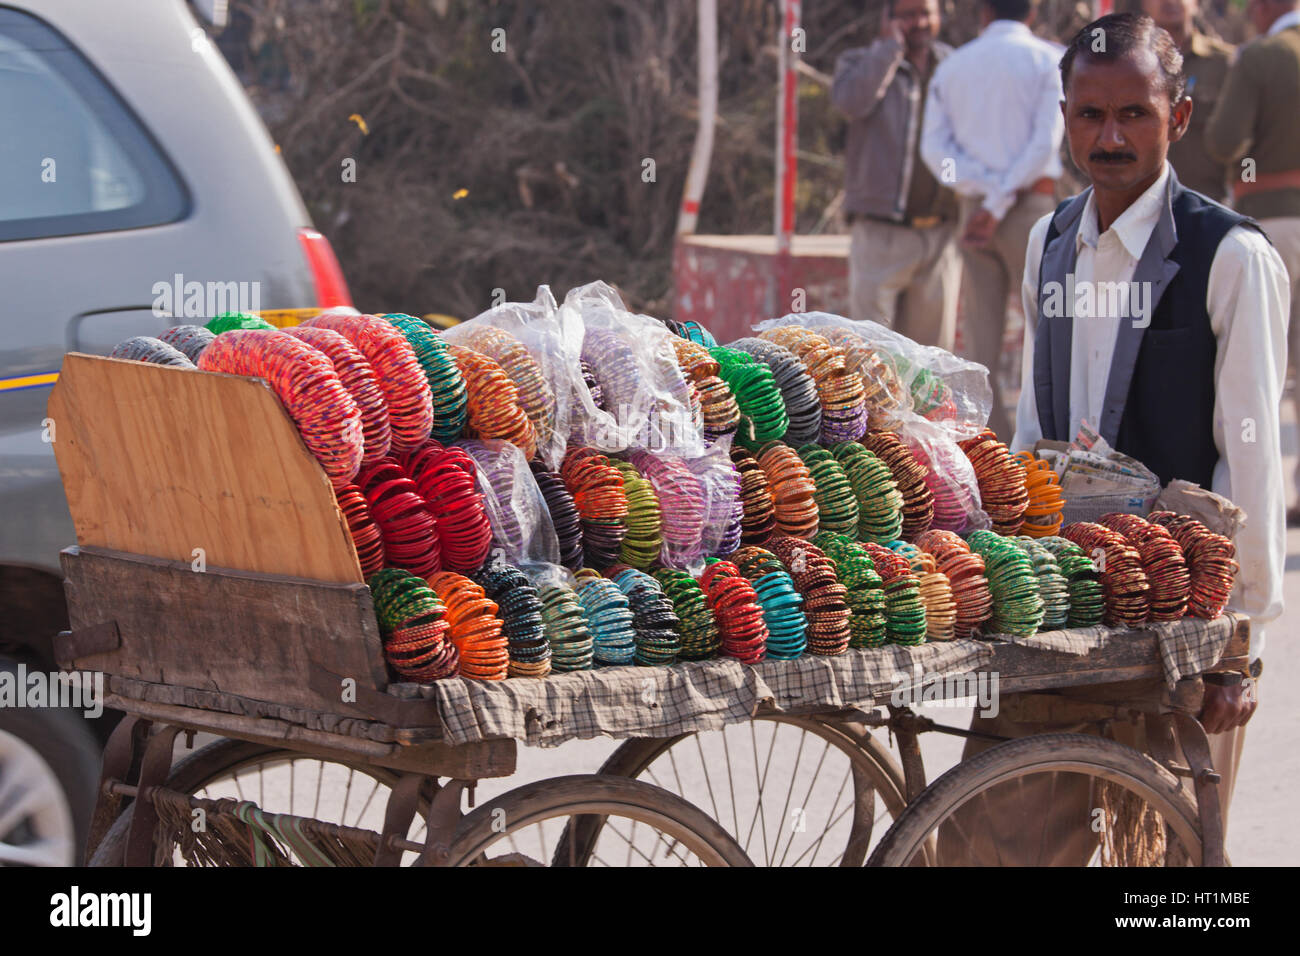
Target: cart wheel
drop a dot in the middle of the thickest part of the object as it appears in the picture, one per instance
(638, 824)
(278, 781)
(1050, 800)
(793, 791)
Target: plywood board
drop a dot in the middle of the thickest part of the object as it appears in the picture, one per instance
(162, 461)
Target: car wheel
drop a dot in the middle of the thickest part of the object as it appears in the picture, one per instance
(49, 771)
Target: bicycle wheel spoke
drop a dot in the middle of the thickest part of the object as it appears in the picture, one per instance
(731, 782)
(758, 791)
(848, 775)
(802, 808)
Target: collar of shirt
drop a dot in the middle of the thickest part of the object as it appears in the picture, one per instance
(1291, 19)
(1134, 226)
(1005, 28)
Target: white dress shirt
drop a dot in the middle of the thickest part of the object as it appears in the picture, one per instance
(994, 111)
(1248, 300)
(1291, 19)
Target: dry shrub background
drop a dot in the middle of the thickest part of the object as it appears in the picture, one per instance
(547, 139)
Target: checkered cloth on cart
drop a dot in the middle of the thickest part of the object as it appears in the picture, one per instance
(666, 701)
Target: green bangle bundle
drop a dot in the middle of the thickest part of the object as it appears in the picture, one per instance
(1053, 587)
(904, 608)
(237, 320)
(698, 631)
(837, 506)
(880, 503)
(644, 539)
(762, 410)
(572, 647)
(1013, 582)
(450, 395)
(413, 622)
(868, 626)
(1087, 599)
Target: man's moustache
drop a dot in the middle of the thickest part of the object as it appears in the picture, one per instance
(1102, 157)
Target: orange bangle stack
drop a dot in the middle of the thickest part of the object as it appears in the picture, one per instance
(1001, 481)
(599, 495)
(1211, 561)
(361, 525)
(965, 572)
(792, 490)
(475, 628)
(494, 410)
(718, 406)
(536, 397)
(1045, 514)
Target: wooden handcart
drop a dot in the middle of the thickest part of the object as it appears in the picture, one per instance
(216, 587)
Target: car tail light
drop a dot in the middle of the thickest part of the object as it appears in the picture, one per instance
(331, 287)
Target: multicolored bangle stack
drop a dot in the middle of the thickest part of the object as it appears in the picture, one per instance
(1123, 581)
(936, 592)
(414, 627)
(327, 416)
(720, 413)
(825, 599)
(803, 406)
(787, 628)
(520, 609)
(792, 489)
(759, 519)
(475, 628)
(1013, 582)
(572, 647)
(536, 397)
(884, 393)
(654, 619)
(681, 500)
(494, 409)
(698, 631)
(564, 515)
(1053, 587)
(904, 610)
(965, 573)
(1001, 481)
(854, 568)
(447, 388)
(1162, 560)
(357, 376)
(597, 489)
(1211, 561)
(644, 539)
(609, 618)
(844, 409)
(880, 503)
(762, 411)
(398, 371)
(837, 506)
(1087, 601)
(910, 477)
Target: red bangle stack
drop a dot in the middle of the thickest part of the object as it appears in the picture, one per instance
(735, 607)
(409, 533)
(365, 533)
(1211, 562)
(1001, 480)
(1162, 560)
(1123, 582)
(359, 379)
(909, 475)
(445, 479)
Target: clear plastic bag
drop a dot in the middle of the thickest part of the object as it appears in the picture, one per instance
(942, 388)
(646, 400)
(546, 383)
(522, 533)
(723, 510)
(948, 474)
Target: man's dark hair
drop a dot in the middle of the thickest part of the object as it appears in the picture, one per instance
(1011, 9)
(1118, 34)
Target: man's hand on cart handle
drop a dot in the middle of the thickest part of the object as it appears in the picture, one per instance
(1226, 706)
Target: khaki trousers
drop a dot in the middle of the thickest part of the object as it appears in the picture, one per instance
(1285, 233)
(991, 274)
(907, 279)
(1049, 821)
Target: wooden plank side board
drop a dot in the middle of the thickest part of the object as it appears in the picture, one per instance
(242, 633)
(161, 461)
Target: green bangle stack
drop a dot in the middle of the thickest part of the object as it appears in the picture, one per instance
(837, 506)
(1087, 599)
(880, 503)
(868, 626)
(644, 539)
(1017, 606)
(762, 410)
(566, 628)
(698, 631)
(1053, 587)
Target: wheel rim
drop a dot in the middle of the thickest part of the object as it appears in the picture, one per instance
(36, 822)
(791, 792)
(1012, 797)
(628, 835)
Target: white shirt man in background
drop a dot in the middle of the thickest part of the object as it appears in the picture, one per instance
(993, 133)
